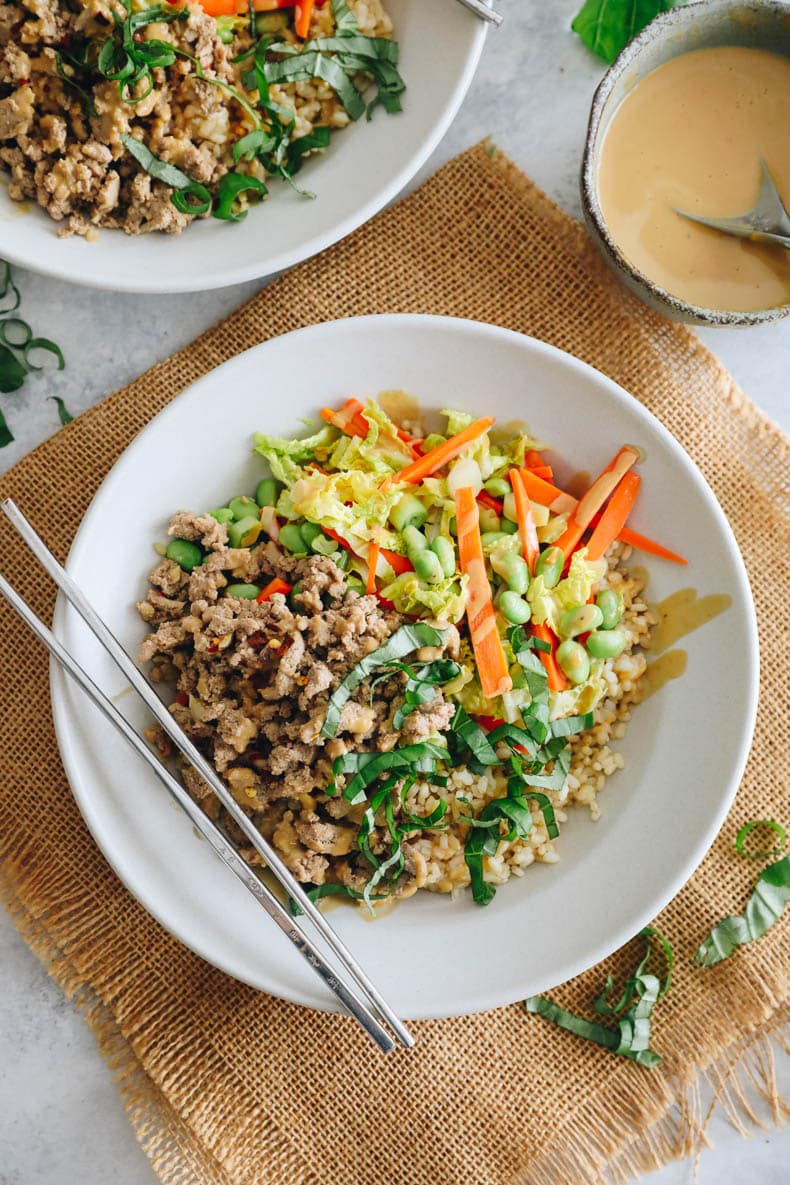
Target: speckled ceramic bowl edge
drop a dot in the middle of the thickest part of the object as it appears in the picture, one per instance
(664, 26)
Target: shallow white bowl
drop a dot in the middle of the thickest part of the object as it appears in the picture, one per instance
(685, 748)
(365, 167)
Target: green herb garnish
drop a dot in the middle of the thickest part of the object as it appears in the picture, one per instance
(230, 187)
(763, 909)
(634, 1008)
(17, 345)
(160, 170)
(606, 26)
(63, 412)
(423, 758)
(748, 828)
(398, 645)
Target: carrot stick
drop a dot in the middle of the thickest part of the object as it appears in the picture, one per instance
(441, 455)
(526, 524)
(546, 494)
(274, 586)
(642, 543)
(374, 552)
(544, 471)
(304, 11)
(532, 458)
(398, 563)
(347, 425)
(603, 486)
(556, 679)
(489, 655)
(613, 518)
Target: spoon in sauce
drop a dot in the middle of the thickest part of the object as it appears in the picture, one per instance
(767, 222)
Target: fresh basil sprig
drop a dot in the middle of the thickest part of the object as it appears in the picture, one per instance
(634, 1010)
(606, 26)
(18, 347)
(405, 640)
(763, 909)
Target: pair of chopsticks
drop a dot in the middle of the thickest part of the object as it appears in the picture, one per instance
(363, 1001)
(481, 9)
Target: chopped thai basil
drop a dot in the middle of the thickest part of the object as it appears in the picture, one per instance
(633, 1011)
(405, 640)
(748, 828)
(18, 347)
(763, 909)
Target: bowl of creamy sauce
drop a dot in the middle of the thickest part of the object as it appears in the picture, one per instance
(682, 120)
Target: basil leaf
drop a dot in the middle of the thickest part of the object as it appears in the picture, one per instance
(641, 993)
(484, 840)
(63, 412)
(329, 890)
(547, 810)
(158, 169)
(304, 66)
(569, 725)
(606, 26)
(43, 343)
(763, 909)
(6, 435)
(748, 828)
(405, 639)
(420, 758)
(12, 371)
(344, 19)
(319, 138)
(473, 737)
(250, 145)
(514, 736)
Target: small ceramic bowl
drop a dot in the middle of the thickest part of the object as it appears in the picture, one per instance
(757, 24)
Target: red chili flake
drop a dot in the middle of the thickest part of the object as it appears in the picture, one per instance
(24, 82)
(182, 698)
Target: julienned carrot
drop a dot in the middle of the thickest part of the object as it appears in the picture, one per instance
(304, 11)
(526, 524)
(544, 471)
(274, 586)
(556, 679)
(438, 457)
(546, 494)
(348, 425)
(398, 563)
(613, 518)
(642, 543)
(374, 551)
(489, 655)
(591, 502)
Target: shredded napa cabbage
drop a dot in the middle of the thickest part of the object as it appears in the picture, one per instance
(445, 600)
(349, 502)
(549, 604)
(286, 457)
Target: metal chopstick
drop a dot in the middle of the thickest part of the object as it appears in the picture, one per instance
(207, 828)
(77, 599)
(479, 8)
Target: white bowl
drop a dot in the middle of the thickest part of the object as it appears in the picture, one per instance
(365, 167)
(685, 748)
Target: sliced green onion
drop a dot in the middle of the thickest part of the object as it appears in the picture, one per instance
(6, 435)
(12, 371)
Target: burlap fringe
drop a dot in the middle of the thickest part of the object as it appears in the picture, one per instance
(673, 1120)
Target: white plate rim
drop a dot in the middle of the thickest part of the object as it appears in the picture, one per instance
(159, 284)
(597, 950)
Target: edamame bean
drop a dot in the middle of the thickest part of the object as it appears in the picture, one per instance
(354, 584)
(223, 514)
(606, 643)
(513, 570)
(323, 545)
(267, 492)
(415, 542)
(408, 511)
(242, 507)
(549, 566)
(580, 620)
(452, 527)
(514, 608)
(507, 527)
(433, 440)
(490, 539)
(309, 532)
(427, 566)
(445, 552)
(245, 592)
(510, 507)
(499, 487)
(342, 560)
(184, 553)
(489, 519)
(293, 540)
(574, 661)
(611, 605)
(244, 532)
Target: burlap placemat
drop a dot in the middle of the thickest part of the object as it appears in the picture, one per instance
(228, 1086)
